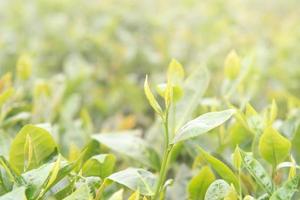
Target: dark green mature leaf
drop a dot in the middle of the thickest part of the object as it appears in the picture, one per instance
(100, 165)
(136, 179)
(223, 170)
(273, 147)
(218, 190)
(257, 172)
(15, 194)
(82, 193)
(287, 190)
(198, 185)
(30, 148)
(202, 124)
(127, 143)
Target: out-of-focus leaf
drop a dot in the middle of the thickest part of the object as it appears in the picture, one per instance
(117, 195)
(127, 143)
(135, 196)
(202, 124)
(273, 147)
(82, 193)
(287, 190)
(218, 190)
(4, 96)
(232, 65)
(257, 171)
(175, 72)
(101, 165)
(198, 185)
(194, 88)
(15, 194)
(41, 144)
(223, 170)
(24, 66)
(36, 178)
(136, 179)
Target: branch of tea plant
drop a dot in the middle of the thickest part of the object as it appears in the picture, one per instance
(101, 189)
(166, 158)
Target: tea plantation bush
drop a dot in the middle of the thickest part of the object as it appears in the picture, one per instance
(151, 100)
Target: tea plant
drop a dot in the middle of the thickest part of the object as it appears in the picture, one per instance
(263, 148)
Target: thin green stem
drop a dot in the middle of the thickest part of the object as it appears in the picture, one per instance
(101, 189)
(165, 161)
(240, 184)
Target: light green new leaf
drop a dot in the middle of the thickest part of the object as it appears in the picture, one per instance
(175, 73)
(15, 194)
(273, 147)
(223, 170)
(30, 148)
(54, 171)
(273, 112)
(198, 185)
(236, 158)
(202, 124)
(218, 190)
(287, 190)
(129, 144)
(151, 98)
(257, 171)
(117, 195)
(82, 193)
(101, 165)
(232, 65)
(136, 179)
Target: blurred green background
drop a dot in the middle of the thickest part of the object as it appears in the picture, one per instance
(89, 57)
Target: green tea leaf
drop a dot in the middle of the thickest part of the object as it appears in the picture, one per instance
(151, 98)
(198, 185)
(273, 112)
(232, 65)
(24, 66)
(129, 144)
(36, 178)
(135, 196)
(118, 195)
(273, 147)
(15, 194)
(287, 190)
(42, 146)
(175, 73)
(223, 170)
(237, 159)
(100, 165)
(194, 88)
(136, 179)
(4, 96)
(257, 171)
(202, 124)
(82, 193)
(54, 171)
(218, 190)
